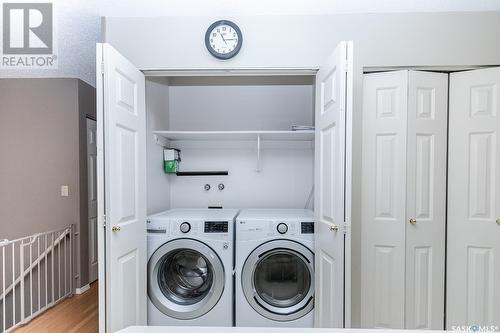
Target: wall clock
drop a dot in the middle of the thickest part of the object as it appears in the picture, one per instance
(223, 39)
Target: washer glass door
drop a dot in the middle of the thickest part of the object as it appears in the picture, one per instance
(185, 278)
(278, 280)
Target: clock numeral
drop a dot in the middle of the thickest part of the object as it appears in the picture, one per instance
(214, 34)
(211, 40)
(234, 34)
(218, 29)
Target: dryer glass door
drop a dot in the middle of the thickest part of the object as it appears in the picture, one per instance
(278, 280)
(185, 278)
(281, 278)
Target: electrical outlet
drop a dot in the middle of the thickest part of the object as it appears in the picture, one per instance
(64, 190)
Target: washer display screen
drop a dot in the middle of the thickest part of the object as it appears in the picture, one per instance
(185, 276)
(281, 278)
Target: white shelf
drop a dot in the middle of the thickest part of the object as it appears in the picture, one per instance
(237, 135)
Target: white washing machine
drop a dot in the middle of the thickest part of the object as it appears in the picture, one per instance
(274, 268)
(190, 267)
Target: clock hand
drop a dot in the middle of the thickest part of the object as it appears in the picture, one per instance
(223, 39)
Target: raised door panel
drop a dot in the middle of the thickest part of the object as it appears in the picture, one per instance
(481, 199)
(383, 199)
(473, 263)
(426, 200)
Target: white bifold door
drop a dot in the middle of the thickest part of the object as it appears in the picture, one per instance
(473, 247)
(332, 188)
(404, 199)
(121, 156)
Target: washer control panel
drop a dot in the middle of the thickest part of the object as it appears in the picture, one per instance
(282, 228)
(216, 226)
(307, 227)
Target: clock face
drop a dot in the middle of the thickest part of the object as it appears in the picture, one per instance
(223, 39)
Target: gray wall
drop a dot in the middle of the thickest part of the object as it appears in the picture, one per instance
(402, 39)
(40, 144)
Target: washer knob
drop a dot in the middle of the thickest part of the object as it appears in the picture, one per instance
(185, 227)
(282, 228)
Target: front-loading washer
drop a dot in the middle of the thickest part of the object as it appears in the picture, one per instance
(190, 267)
(274, 268)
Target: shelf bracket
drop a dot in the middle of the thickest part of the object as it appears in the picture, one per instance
(258, 169)
(160, 140)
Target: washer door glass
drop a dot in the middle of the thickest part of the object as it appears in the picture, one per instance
(185, 276)
(282, 278)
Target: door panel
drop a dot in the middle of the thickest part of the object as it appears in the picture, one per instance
(92, 197)
(383, 199)
(425, 199)
(330, 189)
(474, 199)
(124, 189)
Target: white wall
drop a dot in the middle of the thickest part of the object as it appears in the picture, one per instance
(409, 39)
(240, 103)
(235, 103)
(285, 179)
(158, 185)
(423, 39)
(304, 41)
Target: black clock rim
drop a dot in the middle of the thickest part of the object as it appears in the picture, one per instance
(223, 56)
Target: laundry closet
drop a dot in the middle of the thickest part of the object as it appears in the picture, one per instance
(246, 138)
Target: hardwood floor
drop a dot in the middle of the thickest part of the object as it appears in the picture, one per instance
(76, 314)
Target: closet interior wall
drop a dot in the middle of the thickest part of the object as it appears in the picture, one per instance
(231, 103)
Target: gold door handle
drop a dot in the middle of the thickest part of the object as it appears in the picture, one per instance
(413, 221)
(498, 221)
(116, 228)
(334, 227)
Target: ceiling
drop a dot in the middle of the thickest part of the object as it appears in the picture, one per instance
(279, 7)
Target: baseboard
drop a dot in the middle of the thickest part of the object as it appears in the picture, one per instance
(83, 289)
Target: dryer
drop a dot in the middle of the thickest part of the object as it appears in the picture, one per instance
(190, 267)
(274, 268)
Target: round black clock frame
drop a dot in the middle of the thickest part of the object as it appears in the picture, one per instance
(223, 56)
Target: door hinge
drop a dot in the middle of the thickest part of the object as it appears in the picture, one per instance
(104, 221)
(102, 67)
(346, 228)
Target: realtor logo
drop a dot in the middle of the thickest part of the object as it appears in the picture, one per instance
(28, 35)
